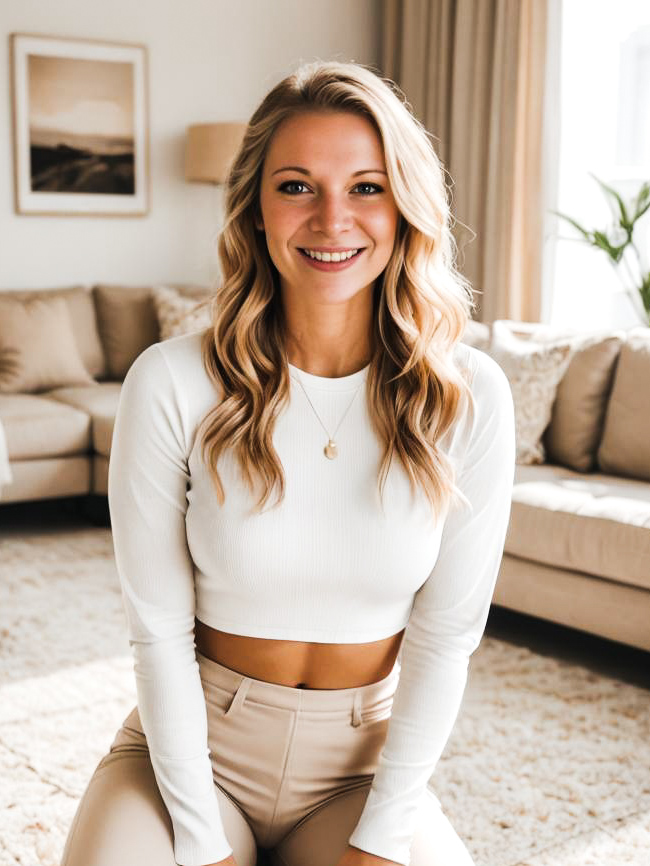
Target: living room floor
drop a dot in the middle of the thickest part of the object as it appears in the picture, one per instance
(546, 765)
(603, 656)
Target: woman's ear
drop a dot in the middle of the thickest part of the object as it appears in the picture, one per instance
(259, 222)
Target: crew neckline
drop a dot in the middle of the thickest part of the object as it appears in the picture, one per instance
(323, 383)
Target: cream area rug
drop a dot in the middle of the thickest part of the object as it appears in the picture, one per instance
(548, 764)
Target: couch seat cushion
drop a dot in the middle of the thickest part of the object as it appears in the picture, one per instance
(100, 402)
(597, 524)
(36, 427)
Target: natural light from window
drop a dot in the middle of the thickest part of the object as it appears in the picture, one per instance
(605, 130)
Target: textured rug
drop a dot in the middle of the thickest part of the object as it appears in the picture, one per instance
(548, 765)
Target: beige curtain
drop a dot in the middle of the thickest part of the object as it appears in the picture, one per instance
(476, 73)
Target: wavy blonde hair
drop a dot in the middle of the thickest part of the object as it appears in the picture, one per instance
(421, 304)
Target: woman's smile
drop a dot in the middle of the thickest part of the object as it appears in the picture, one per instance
(331, 259)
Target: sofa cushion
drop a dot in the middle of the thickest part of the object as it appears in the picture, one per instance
(178, 315)
(37, 427)
(48, 478)
(128, 323)
(38, 350)
(103, 434)
(534, 371)
(578, 413)
(625, 445)
(81, 307)
(100, 403)
(597, 524)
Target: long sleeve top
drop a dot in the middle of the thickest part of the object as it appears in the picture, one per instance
(329, 564)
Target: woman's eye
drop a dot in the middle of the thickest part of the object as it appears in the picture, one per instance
(293, 187)
(368, 188)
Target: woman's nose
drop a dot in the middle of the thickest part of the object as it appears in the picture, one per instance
(331, 216)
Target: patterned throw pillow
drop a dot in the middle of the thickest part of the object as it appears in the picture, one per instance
(534, 371)
(179, 314)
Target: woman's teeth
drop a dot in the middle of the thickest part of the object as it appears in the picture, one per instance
(330, 257)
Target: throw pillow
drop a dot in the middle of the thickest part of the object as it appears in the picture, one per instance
(83, 318)
(38, 350)
(127, 325)
(534, 371)
(179, 314)
(572, 437)
(625, 446)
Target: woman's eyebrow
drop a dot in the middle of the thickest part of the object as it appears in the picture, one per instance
(305, 171)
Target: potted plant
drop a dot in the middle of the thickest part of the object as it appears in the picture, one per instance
(617, 242)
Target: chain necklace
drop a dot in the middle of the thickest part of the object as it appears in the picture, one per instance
(331, 449)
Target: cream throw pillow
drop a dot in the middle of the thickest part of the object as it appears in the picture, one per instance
(534, 371)
(38, 350)
(177, 314)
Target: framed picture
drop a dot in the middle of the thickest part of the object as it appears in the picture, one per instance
(81, 143)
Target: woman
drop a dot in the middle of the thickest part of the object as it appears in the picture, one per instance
(273, 710)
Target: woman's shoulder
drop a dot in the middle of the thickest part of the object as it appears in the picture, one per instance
(174, 365)
(492, 406)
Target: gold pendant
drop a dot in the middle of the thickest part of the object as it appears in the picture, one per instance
(330, 450)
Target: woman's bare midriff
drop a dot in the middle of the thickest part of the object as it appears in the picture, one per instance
(300, 664)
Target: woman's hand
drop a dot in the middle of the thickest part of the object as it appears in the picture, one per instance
(356, 857)
(229, 861)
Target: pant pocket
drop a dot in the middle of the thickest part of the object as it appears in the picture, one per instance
(222, 702)
(377, 711)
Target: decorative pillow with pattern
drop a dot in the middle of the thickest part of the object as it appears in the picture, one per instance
(179, 314)
(534, 371)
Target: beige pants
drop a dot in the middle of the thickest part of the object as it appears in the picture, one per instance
(292, 769)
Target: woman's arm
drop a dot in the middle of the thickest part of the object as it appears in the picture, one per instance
(147, 483)
(446, 623)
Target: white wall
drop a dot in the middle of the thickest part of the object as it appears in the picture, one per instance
(209, 60)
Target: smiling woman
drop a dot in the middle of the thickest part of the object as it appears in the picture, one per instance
(274, 711)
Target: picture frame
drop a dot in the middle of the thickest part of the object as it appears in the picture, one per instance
(80, 126)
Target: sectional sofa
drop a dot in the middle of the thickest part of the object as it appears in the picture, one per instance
(578, 546)
(58, 438)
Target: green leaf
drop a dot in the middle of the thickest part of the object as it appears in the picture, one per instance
(645, 294)
(587, 235)
(625, 221)
(601, 240)
(642, 201)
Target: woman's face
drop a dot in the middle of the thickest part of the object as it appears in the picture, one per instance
(326, 207)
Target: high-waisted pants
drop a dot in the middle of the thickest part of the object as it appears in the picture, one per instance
(292, 769)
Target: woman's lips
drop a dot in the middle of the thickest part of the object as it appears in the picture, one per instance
(331, 266)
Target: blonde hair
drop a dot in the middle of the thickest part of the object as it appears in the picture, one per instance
(421, 304)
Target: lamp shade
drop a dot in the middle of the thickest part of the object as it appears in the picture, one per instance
(209, 150)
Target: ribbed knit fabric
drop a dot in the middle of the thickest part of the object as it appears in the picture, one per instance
(328, 564)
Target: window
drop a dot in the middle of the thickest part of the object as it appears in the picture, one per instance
(604, 92)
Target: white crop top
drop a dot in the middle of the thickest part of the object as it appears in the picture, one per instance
(326, 565)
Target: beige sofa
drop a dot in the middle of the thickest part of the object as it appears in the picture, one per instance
(577, 550)
(578, 545)
(58, 440)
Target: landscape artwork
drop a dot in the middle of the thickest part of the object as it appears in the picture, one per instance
(80, 127)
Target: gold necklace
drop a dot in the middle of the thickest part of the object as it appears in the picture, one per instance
(331, 449)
